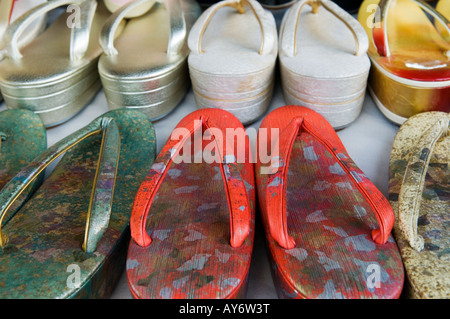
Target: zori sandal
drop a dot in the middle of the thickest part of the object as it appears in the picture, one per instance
(419, 192)
(55, 75)
(327, 226)
(23, 137)
(410, 57)
(146, 67)
(233, 58)
(198, 246)
(323, 60)
(70, 239)
(10, 10)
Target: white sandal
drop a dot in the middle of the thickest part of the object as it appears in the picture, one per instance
(146, 67)
(232, 62)
(322, 66)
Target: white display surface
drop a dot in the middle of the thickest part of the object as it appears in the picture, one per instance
(368, 141)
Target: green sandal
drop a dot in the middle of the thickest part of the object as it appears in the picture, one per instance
(23, 137)
(69, 240)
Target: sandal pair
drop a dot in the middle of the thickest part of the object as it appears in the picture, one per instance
(327, 226)
(322, 58)
(57, 74)
(69, 239)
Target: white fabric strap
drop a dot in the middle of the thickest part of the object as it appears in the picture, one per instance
(288, 38)
(265, 20)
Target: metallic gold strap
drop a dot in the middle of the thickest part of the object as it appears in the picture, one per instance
(384, 7)
(98, 212)
(240, 7)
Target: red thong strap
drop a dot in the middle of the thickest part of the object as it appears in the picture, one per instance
(276, 188)
(240, 211)
(11, 10)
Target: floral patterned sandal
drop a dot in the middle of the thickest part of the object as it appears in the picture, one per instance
(327, 226)
(23, 137)
(193, 218)
(419, 194)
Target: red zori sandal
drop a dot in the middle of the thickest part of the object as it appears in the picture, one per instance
(327, 226)
(192, 223)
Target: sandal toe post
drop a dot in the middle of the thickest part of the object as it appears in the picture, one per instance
(198, 246)
(327, 226)
(234, 71)
(70, 239)
(418, 193)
